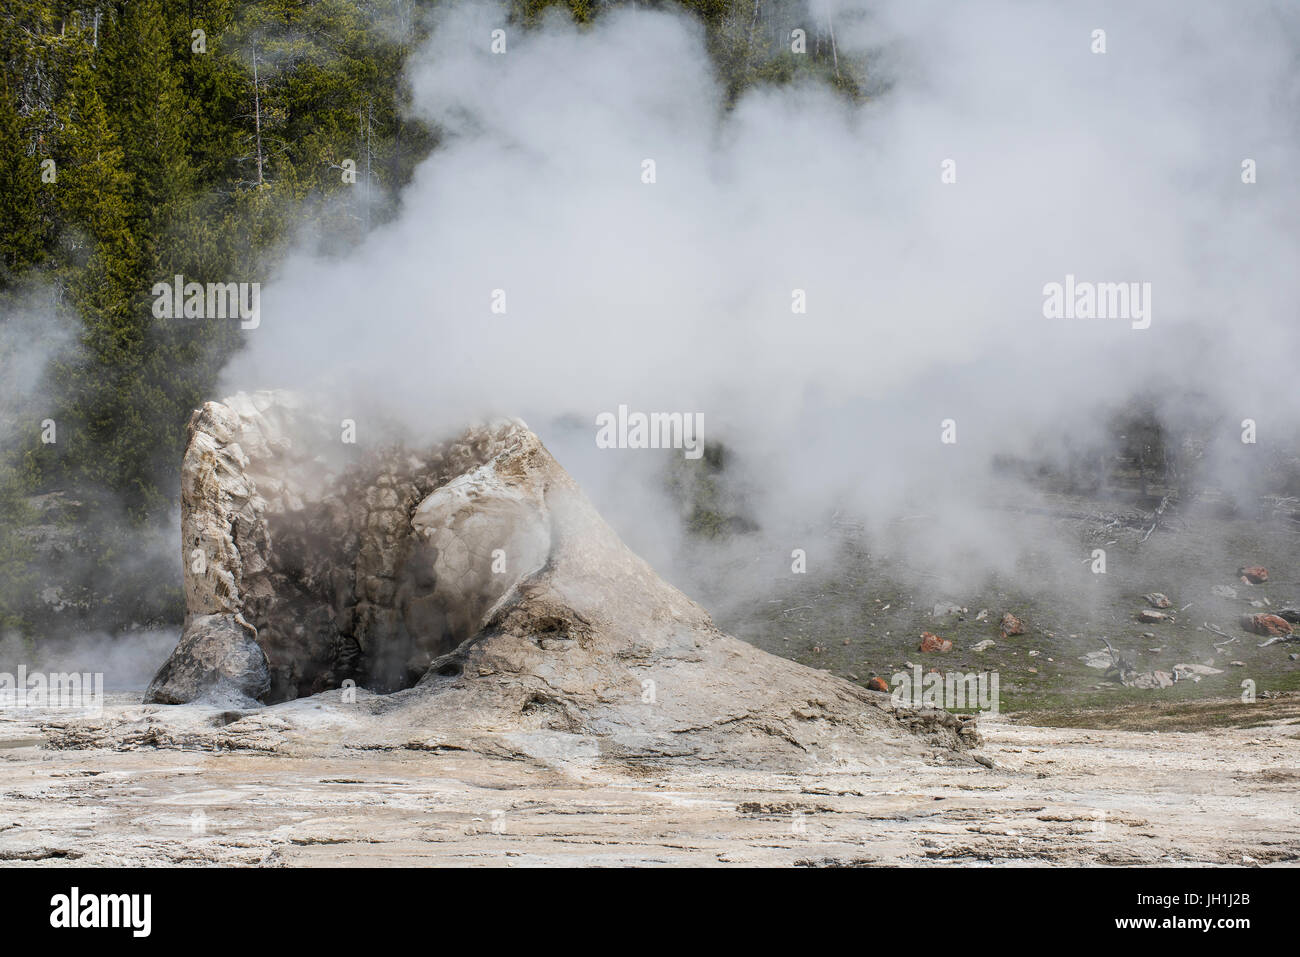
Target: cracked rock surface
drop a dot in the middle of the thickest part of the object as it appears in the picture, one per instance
(315, 782)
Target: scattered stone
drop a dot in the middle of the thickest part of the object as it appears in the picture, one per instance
(1266, 625)
(1253, 574)
(1011, 625)
(983, 615)
(947, 608)
(1158, 600)
(1237, 664)
(980, 759)
(1097, 659)
(1149, 680)
(984, 645)
(931, 642)
(1151, 617)
(877, 684)
(1194, 672)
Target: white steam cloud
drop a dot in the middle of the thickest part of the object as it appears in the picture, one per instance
(924, 298)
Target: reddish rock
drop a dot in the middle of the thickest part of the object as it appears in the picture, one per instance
(877, 684)
(1254, 574)
(931, 642)
(1267, 625)
(1011, 625)
(1158, 600)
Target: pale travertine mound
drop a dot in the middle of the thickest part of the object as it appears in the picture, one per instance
(479, 572)
(320, 557)
(217, 660)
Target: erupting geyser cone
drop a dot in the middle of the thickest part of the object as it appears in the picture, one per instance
(477, 575)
